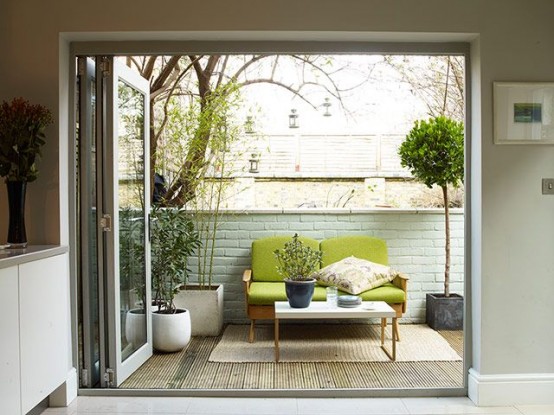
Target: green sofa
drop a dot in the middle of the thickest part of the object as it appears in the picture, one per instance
(263, 285)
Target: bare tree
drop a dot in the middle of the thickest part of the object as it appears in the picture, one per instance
(204, 80)
(437, 80)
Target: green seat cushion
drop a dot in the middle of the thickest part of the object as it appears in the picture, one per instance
(389, 293)
(264, 263)
(360, 246)
(266, 293)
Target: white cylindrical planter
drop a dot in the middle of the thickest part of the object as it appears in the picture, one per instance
(135, 327)
(171, 332)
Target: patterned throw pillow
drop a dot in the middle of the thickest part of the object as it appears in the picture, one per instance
(354, 275)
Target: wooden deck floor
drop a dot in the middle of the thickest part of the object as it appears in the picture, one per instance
(190, 369)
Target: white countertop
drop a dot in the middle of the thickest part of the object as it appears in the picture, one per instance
(10, 257)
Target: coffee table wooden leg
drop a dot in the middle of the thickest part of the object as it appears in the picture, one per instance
(394, 337)
(392, 356)
(383, 326)
(276, 339)
(251, 334)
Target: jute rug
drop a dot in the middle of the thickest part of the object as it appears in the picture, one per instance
(331, 343)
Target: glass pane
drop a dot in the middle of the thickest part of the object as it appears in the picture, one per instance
(130, 125)
(93, 244)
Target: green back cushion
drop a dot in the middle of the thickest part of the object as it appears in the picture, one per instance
(264, 263)
(360, 246)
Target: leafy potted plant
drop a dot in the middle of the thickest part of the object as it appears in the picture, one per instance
(434, 153)
(22, 126)
(173, 241)
(210, 130)
(297, 262)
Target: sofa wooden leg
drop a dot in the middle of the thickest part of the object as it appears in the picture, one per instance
(251, 334)
(396, 330)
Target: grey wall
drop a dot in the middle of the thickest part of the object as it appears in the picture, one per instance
(512, 224)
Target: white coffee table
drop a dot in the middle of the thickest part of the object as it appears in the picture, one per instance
(320, 310)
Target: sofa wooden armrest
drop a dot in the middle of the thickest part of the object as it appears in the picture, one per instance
(401, 281)
(254, 312)
(247, 280)
(247, 276)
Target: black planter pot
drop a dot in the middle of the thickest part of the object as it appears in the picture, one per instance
(299, 293)
(17, 236)
(445, 313)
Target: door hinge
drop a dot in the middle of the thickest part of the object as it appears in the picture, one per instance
(84, 378)
(106, 222)
(105, 67)
(109, 378)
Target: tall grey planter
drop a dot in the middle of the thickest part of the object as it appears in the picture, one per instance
(445, 313)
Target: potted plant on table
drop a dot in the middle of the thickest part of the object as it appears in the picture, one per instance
(434, 153)
(22, 126)
(173, 241)
(297, 263)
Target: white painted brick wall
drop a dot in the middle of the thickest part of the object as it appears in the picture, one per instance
(415, 240)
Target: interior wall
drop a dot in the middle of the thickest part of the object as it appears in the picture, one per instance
(513, 224)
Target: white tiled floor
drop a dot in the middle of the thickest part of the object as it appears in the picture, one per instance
(288, 406)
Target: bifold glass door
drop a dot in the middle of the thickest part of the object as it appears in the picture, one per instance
(90, 272)
(114, 189)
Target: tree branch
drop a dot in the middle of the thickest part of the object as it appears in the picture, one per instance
(165, 73)
(149, 67)
(289, 88)
(222, 71)
(245, 66)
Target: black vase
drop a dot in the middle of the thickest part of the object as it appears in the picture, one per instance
(17, 236)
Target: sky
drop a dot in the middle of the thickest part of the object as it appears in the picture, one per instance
(380, 104)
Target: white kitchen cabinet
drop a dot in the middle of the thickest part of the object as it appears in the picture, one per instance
(43, 299)
(10, 391)
(35, 328)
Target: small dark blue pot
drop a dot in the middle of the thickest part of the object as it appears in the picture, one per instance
(300, 293)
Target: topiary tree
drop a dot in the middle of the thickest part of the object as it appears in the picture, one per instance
(434, 153)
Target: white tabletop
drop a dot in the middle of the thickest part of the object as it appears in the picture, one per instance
(320, 309)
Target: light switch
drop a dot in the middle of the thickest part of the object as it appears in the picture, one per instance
(548, 186)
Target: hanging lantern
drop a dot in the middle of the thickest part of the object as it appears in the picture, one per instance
(249, 125)
(254, 163)
(293, 119)
(327, 104)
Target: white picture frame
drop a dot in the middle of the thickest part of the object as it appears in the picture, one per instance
(523, 112)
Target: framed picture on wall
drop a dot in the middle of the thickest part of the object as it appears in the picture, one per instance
(523, 112)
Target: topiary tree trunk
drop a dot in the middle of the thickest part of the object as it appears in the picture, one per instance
(447, 241)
